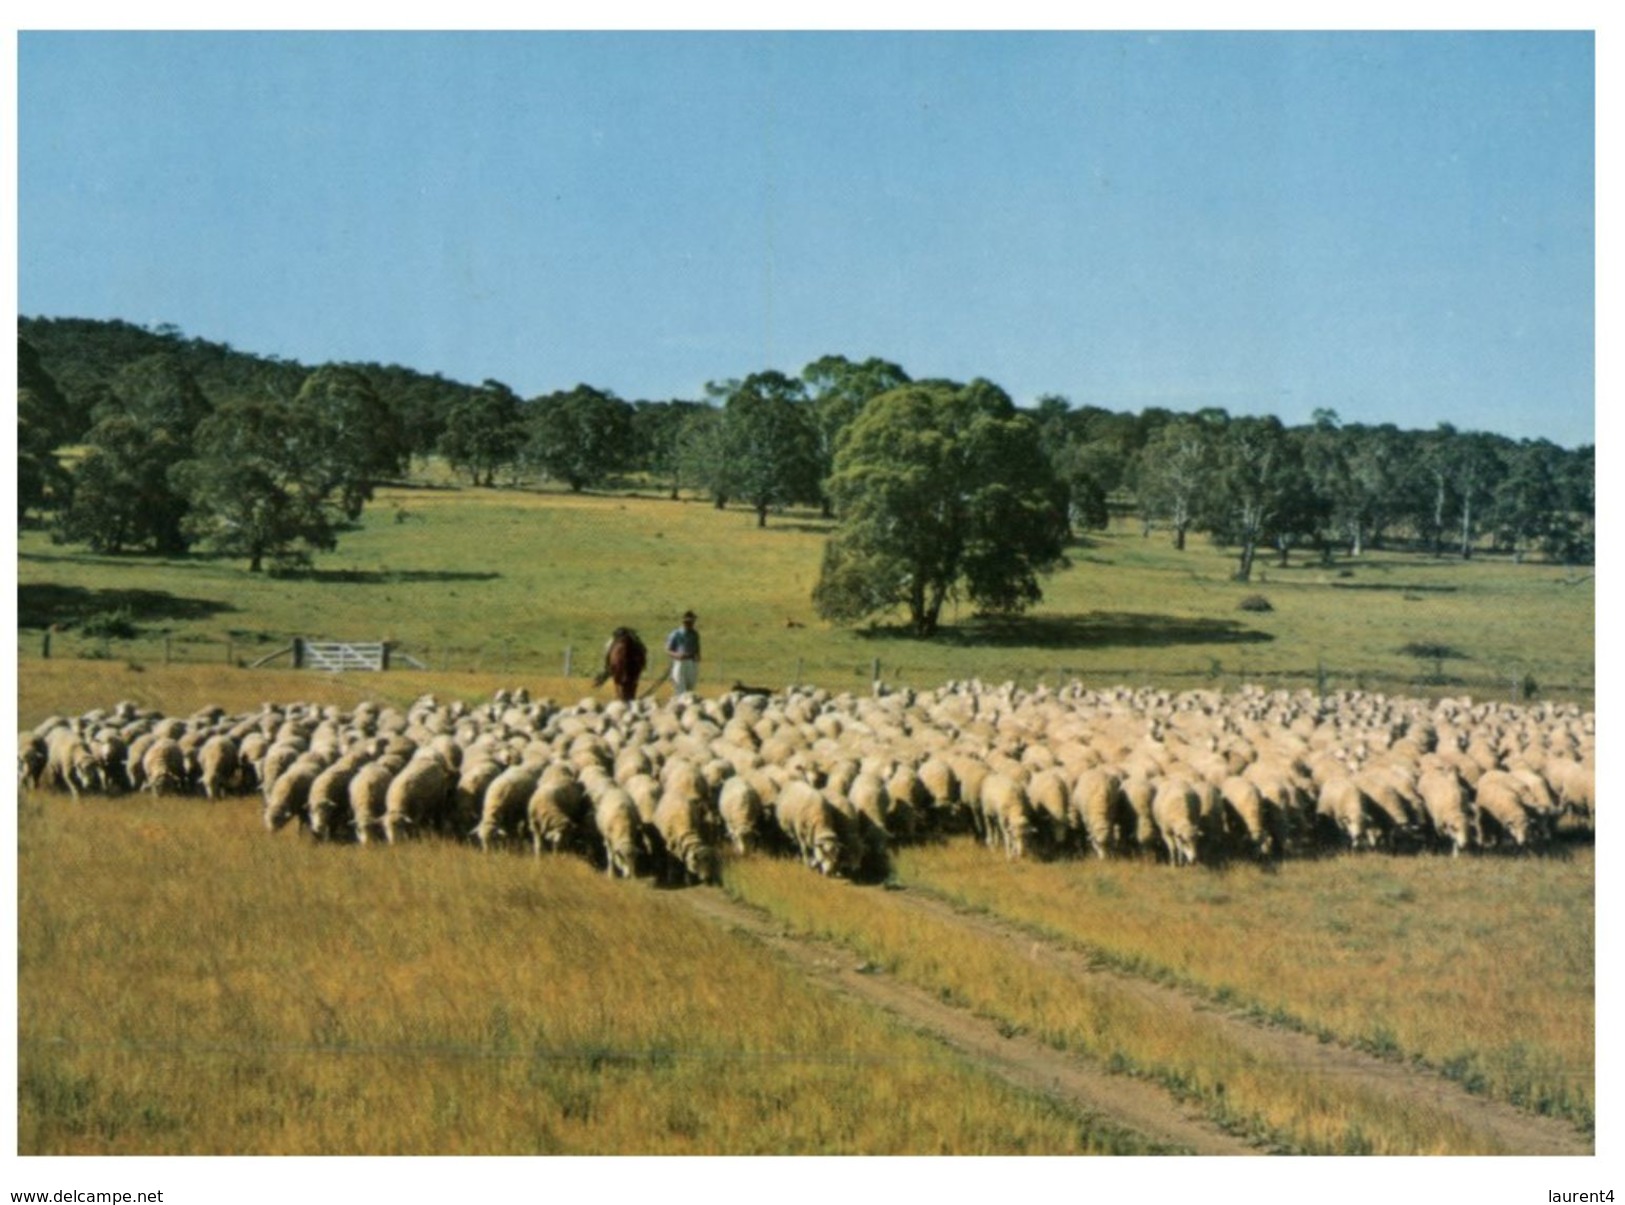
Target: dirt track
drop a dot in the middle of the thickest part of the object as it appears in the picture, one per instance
(1127, 1102)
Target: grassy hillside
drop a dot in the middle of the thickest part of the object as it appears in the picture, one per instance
(503, 582)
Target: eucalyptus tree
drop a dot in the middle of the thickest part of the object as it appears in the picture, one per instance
(839, 390)
(942, 490)
(484, 432)
(1174, 469)
(579, 436)
(770, 443)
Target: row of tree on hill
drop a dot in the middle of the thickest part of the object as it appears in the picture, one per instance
(941, 488)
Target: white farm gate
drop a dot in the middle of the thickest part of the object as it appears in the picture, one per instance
(337, 656)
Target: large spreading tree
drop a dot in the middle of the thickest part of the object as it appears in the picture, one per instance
(258, 485)
(942, 490)
(579, 436)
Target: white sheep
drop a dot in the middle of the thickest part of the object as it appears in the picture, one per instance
(1008, 813)
(682, 824)
(506, 803)
(555, 809)
(619, 827)
(1176, 809)
(740, 806)
(217, 765)
(1446, 805)
(368, 793)
(418, 798)
(1100, 811)
(821, 833)
(290, 794)
(163, 767)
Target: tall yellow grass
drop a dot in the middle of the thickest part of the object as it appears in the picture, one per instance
(1481, 966)
(189, 984)
(1162, 931)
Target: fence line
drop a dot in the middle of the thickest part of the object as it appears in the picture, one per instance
(504, 656)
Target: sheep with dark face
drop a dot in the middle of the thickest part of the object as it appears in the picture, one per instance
(32, 759)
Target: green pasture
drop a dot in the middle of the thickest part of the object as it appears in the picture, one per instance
(505, 581)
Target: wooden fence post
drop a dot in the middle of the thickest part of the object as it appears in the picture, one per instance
(569, 654)
(45, 645)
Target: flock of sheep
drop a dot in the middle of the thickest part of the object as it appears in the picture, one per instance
(643, 788)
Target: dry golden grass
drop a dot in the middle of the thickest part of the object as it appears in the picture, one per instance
(189, 984)
(1482, 966)
(1162, 931)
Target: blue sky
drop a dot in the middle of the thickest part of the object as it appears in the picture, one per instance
(1397, 226)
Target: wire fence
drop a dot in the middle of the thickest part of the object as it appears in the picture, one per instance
(513, 658)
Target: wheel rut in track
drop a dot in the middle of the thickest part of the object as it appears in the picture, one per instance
(1023, 1061)
(1128, 1102)
(1520, 1132)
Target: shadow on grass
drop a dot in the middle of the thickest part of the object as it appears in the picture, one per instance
(41, 604)
(1097, 629)
(379, 577)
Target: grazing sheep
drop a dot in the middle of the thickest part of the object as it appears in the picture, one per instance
(70, 764)
(555, 809)
(1502, 813)
(1138, 791)
(1392, 812)
(1176, 809)
(1099, 810)
(741, 808)
(290, 794)
(468, 796)
(1576, 786)
(970, 773)
(368, 793)
(1447, 809)
(217, 765)
(1253, 818)
(822, 834)
(690, 857)
(419, 797)
(1343, 807)
(619, 827)
(112, 755)
(506, 804)
(1009, 813)
(32, 758)
(163, 767)
(278, 757)
(1051, 804)
(942, 788)
(328, 805)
